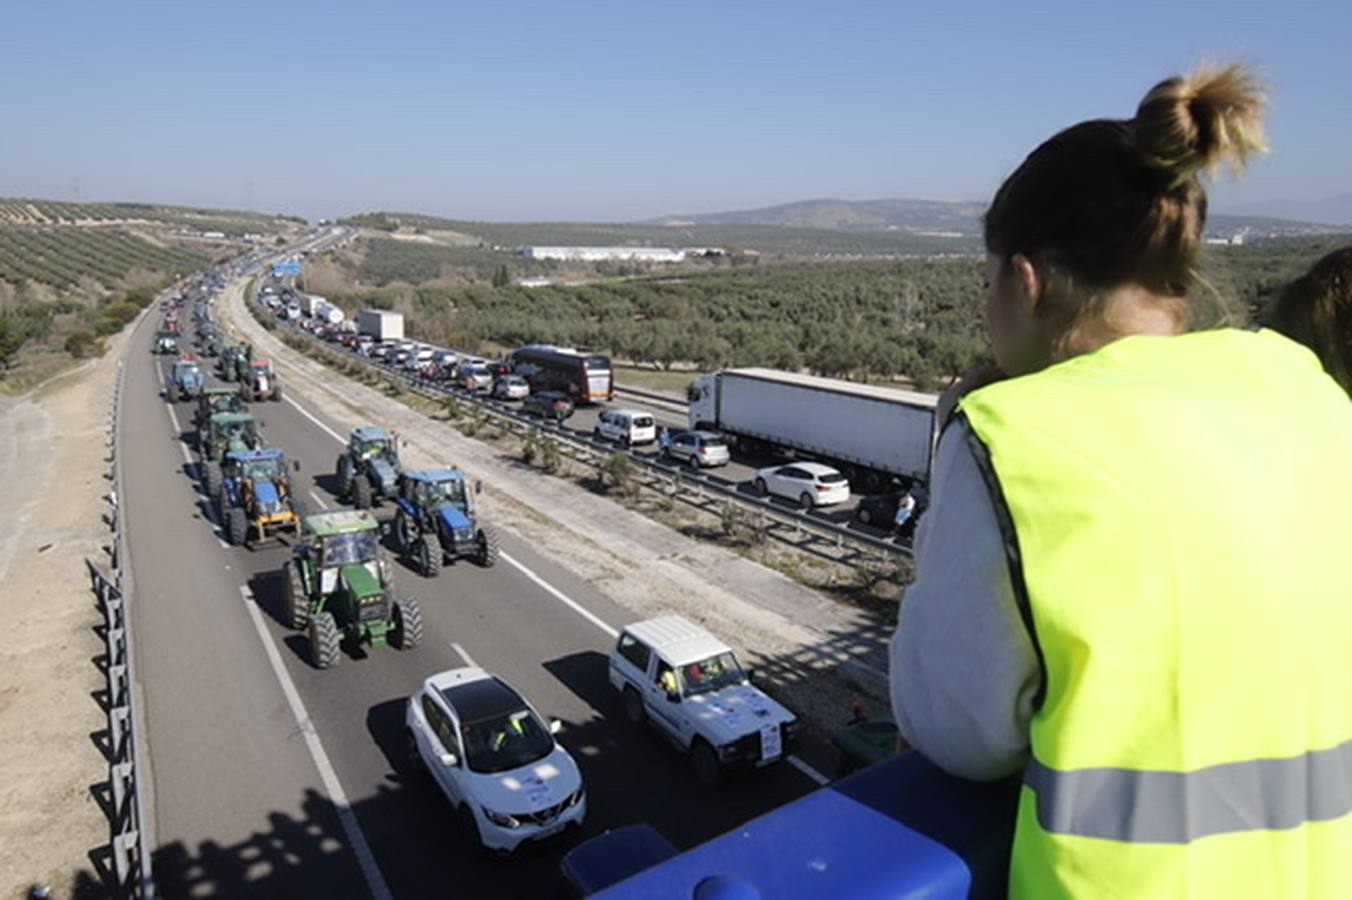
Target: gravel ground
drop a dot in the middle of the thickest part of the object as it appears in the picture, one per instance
(51, 465)
(812, 652)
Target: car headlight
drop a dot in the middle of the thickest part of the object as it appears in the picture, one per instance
(576, 797)
(502, 820)
(729, 751)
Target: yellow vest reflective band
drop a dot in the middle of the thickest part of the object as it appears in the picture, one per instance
(1178, 517)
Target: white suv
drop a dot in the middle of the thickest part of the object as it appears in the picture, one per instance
(494, 758)
(628, 426)
(688, 684)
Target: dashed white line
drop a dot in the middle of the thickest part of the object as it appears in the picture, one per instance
(306, 413)
(469, 661)
(560, 595)
(318, 499)
(370, 869)
(807, 770)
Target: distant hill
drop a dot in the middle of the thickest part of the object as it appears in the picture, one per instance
(26, 211)
(937, 217)
(1334, 210)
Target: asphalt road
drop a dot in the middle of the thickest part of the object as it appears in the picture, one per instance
(261, 790)
(740, 472)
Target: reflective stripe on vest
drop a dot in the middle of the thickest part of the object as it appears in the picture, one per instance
(1178, 807)
(1176, 518)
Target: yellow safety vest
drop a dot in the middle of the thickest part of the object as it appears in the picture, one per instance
(1178, 519)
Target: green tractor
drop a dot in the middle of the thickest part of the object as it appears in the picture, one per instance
(225, 433)
(214, 400)
(233, 363)
(338, 584)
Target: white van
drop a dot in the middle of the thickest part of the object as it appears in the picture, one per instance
(628, 426)
(688, 684)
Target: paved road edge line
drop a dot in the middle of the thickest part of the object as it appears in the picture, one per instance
(370, 869)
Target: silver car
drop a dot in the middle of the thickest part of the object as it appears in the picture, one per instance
(699, 448)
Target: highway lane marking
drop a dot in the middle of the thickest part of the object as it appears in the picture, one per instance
(560, 595)
(306, 413)
(318, 499)
(375, 880)
(563, 598)
(469, 661)
(187, 459)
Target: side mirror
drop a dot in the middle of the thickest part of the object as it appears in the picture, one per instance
(673, 696)
(555, 726)
(478, 487)
(449, 760)
(295, 464)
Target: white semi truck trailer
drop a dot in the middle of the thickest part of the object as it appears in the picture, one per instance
(381, 324)
(874, 435)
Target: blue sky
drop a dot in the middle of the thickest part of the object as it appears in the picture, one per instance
(621, 110)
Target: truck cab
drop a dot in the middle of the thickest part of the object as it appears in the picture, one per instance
(689, 686)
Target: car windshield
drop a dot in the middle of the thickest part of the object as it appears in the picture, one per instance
(504, 742)
(711, 674)
(346, 549)
(643, 421)
(262, 468)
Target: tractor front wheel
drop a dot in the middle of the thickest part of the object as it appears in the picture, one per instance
(211, 476)
(401, 532)
(361, 492)
(297, 603)
(236, 526)
(324, 641)
(344, 476)
(429, 555)
(408, 624)
(488, 547)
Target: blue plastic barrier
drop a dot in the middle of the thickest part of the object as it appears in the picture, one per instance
(901, 828)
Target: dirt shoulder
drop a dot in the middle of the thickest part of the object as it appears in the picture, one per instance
(52, 446)
(798, 638)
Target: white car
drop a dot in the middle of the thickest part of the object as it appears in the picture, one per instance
(494, 758)
(511, 387)
(687, 683)
(809, 484)
(473, 377)
(628, 426)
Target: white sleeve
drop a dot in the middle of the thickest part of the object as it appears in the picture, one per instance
(963, 670)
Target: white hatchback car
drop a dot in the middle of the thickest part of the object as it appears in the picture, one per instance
(511, 387)
(810, 484)
(494, 758)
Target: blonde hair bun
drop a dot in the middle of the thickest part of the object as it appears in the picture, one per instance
(1197, 121)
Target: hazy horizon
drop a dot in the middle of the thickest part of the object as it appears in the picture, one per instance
(616, 113)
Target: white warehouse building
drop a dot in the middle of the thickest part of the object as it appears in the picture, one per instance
(600, 254)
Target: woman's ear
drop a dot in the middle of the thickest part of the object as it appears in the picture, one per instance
(1031, 282)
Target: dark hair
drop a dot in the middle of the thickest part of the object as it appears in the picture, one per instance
(1109, 202)
(1316, 310)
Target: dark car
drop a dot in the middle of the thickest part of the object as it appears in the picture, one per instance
(550, 404)
(881, 509)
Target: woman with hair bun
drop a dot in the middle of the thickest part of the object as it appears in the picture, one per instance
(1099, 607)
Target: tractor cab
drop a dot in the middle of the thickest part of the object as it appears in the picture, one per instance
(255, 496)
(336, 542)
(434, 488)
(234, 431)
(436, 520)
(260, 382)
(371, 442)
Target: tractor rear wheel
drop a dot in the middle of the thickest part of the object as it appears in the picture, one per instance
(408, 624)
(277, 393)
(488, 547)
(361, 492)
(344, 468)
(297, 603)
(211, 476)
(324, 640)
(402, 539)
(236, 526)
(429, 555)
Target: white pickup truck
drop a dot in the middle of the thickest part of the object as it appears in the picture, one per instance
(687, 683)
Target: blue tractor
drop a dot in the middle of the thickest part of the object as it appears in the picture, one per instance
(369, 467)
(254, 499)
(185, 380)
(436, 520)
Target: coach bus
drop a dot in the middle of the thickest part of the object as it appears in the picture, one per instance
(586, 377)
